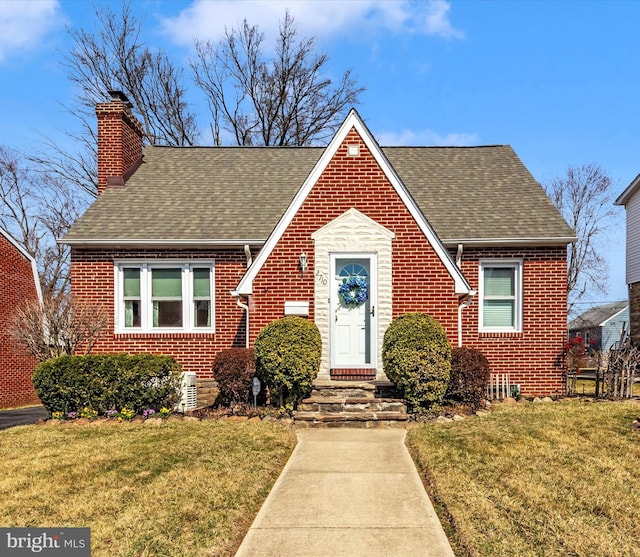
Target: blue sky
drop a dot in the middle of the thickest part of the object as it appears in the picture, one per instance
(558, 81)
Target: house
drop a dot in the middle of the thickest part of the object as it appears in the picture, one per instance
(602, 327)
(19, 283)
(630, 200)
(195, 249)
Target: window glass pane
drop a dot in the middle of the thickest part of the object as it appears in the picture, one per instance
(498, 313)
(132, 313)
(499, 281)
(202, 313)
(166, 283)
(167, 313)
(201, 283)
(131, 282)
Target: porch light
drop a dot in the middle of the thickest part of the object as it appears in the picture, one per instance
(302, 263)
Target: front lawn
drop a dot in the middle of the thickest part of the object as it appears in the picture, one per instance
(184, 488)
(536, 479)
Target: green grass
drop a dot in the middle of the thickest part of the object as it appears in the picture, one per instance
(184, 488)
(536, 479)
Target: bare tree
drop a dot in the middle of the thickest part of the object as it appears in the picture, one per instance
(58, 326)
(583, 197)
(38, 208)
(285, 100)
(115, 58)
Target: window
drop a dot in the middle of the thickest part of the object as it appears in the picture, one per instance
(164, 297)
(500, 296)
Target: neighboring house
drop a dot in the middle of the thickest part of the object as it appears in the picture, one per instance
(602, 328)
(195, 249)
(18, 284)
(630, 199)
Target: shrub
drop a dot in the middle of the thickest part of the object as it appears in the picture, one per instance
(233, 370)
(287, 353)
(469, 377)
(104, 382)
(416, 355)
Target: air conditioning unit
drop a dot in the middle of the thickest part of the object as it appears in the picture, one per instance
(188, 392)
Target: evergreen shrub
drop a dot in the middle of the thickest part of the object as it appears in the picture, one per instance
(107, 382)
(287, 353)
(416, 355)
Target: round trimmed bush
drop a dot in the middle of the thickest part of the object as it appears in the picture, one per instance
(416, 355)
(233, 370)
(287, 353)
(469, 377)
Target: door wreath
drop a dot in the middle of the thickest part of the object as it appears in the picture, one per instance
(353, 291)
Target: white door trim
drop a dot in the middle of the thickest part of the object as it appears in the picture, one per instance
(373, 314)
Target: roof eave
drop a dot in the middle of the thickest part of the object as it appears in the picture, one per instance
(155, 242)
(493, 242)
(616, 314)
(623, 198)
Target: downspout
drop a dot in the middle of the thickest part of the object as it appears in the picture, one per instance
(247, 253)
(468, 298)
(464, 304)
(245, 307)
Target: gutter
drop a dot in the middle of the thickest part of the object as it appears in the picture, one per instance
(482, 242)
(159, 242)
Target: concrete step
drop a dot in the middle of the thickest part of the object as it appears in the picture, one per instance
(352, 389)
(348, 419)
(351, 404)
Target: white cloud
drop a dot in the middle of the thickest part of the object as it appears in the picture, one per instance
(425, 137)
(207, 20)
(23, 24)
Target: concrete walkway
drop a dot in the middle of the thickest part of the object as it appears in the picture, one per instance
(347, 492)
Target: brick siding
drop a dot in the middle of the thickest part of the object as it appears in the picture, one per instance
(93, 281)
(16, 364)
(533, 358)
(420, 280)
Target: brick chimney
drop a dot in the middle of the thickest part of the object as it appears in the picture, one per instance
(119, 142)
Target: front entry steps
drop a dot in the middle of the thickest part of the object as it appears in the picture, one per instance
(351, 404)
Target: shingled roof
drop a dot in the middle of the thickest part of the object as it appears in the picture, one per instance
(235, 195)
(596, 316)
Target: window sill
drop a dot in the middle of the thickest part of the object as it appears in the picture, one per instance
(164, 334)
(500, 334)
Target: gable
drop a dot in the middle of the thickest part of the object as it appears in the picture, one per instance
(354, 134)
(30, 262)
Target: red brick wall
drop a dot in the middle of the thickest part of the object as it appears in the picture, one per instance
(420, 281)
(119, 141)
(92, 279)
(533, 358)
(16, 365)
(354, 182)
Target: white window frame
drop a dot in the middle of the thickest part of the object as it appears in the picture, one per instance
(146, 305)
(515, 264)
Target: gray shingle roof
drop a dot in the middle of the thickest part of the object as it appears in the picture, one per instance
(595, 316)
(223, 194)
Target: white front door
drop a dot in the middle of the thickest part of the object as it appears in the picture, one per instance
(353, 311)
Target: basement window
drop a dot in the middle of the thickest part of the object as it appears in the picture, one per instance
(164, 297)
